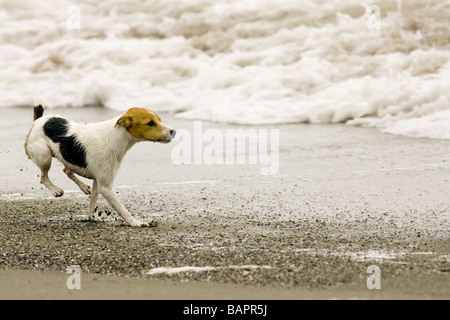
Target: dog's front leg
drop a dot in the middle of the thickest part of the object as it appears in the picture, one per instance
(93, 216)
(114, 202)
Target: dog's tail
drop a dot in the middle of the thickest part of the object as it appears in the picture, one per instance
(38, 108)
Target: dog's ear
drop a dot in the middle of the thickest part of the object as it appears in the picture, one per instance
(124, 121)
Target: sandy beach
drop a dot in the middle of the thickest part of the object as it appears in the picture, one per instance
(344, 198)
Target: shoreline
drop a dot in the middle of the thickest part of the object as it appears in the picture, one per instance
(233, 265)
(51, 285)
(345, 198)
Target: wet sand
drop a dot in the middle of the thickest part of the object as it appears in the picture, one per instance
(345, 198)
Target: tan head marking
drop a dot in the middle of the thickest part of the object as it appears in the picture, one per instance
(144, 124)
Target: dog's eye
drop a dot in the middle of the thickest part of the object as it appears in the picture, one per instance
(151, 123)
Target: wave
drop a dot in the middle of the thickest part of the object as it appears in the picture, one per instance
(384, 65)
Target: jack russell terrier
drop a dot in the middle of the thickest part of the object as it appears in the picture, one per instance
(93, 151)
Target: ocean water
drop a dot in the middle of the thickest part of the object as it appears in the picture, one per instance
(383, 64)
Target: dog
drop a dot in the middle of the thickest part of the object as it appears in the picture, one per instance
(93, 151)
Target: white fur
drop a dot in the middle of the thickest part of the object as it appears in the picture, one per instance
(105, 145)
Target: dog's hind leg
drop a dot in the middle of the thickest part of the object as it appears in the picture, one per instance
(83, 186)
(93, 216)
(44, 162)
(57, 192)
(37, 150)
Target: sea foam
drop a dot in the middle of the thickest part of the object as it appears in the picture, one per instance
(237, 61)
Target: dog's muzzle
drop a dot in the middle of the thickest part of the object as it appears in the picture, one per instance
(170, 135)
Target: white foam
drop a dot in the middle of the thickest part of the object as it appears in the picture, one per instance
(174, 270)
(190, 182)
(239, 61)
(162, 270)
(369, 255)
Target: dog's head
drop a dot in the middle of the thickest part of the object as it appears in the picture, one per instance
(145, 124)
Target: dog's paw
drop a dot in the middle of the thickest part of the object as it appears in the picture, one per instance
(151, 224)
(94, 217)
(57, 192)
(86, 189)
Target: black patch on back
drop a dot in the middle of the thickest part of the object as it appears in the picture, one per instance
(56, 128)
(72, 151)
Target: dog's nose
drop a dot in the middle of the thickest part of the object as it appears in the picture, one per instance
(173, 133)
